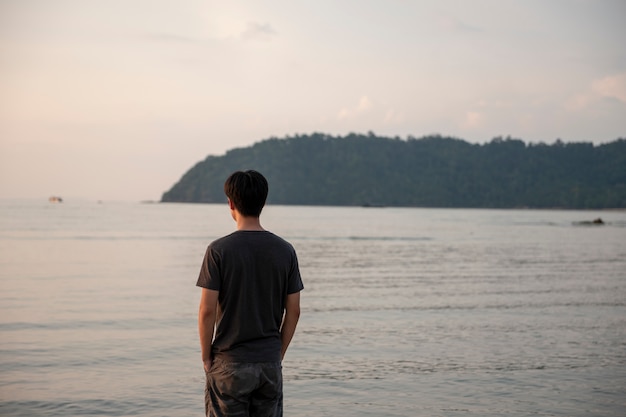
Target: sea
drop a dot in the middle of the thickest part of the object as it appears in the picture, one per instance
(405, 311)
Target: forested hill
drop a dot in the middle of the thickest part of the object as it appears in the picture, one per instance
(434, 171)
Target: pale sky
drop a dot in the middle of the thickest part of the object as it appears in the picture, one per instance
(116, 99)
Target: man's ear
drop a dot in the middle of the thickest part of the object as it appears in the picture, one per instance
(230, 204)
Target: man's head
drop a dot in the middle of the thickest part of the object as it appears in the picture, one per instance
(247, 191)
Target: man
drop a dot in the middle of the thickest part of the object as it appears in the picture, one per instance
(249, 308)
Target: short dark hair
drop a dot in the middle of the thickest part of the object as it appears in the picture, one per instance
(247, 191)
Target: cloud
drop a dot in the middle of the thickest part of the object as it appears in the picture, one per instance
(613, 86)
(473, 120)
(372, 112)
(258, 31)
(363, 106)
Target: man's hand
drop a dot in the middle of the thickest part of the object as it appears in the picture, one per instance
(207, 365)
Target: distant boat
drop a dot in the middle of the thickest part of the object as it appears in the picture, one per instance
(55, 199)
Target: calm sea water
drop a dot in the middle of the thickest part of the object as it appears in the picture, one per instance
(406, 312)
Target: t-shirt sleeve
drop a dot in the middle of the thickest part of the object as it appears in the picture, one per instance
(294, 284)
(210, 276)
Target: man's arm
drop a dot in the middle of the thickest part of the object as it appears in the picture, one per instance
(206, 324)
(290, 321)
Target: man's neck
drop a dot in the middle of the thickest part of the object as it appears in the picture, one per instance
(249, 223)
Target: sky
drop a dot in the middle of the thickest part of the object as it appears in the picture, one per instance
(116, 99)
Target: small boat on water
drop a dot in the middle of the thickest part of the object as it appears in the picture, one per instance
(55, 199)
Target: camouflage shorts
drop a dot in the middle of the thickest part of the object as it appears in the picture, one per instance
(244, 390)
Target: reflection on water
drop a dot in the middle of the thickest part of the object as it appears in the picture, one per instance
(405, 311)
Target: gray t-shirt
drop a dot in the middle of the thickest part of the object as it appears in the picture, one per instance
(253, 272)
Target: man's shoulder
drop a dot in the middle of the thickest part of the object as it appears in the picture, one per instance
(222, 241)
(259, 237)
(279, 240)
